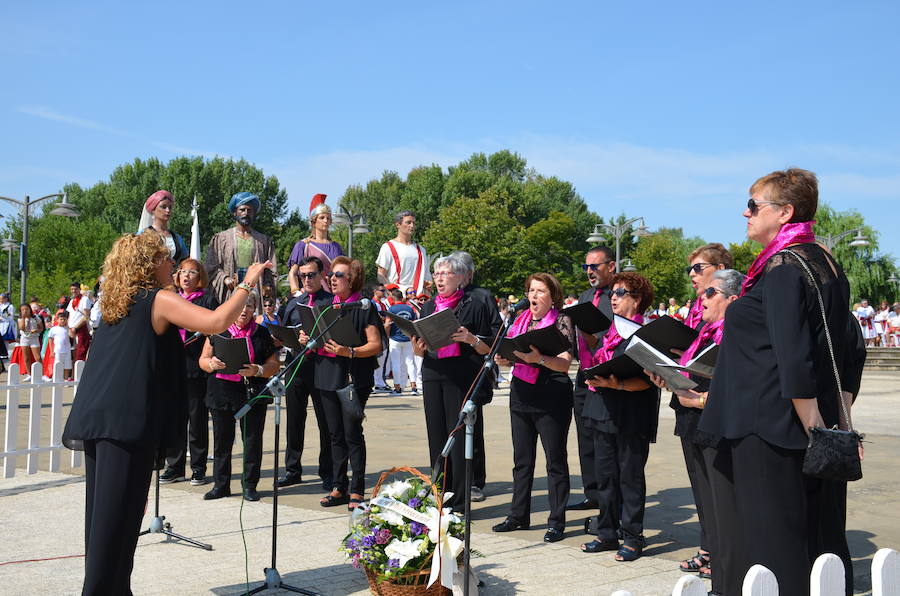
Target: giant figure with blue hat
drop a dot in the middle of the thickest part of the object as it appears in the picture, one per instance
(233, 250)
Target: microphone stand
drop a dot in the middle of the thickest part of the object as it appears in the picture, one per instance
(276, 388)
(467, 417)
(159, 525)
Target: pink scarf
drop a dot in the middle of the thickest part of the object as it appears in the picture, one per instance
(529, 372)
(190, 298)
(695, 315)
(790, 233)
(443, 303)
(610, 341)
(710, 330)
(238, 333)
(584, 354)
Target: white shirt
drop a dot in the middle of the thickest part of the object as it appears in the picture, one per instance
(409, 258)
(60, 337)
(77, 316)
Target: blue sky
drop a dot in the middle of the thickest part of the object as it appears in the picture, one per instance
(666, 110)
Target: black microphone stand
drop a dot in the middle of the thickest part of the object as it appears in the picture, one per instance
(467, 418)
(276, 388)
(159, 525)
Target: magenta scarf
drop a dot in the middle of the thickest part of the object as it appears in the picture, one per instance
(695, 315)
(790, 233)
(443, 303)
(584, 354)
(190, 298)
(529, 372)
(238, 333)
(611, 340)
(710, 330)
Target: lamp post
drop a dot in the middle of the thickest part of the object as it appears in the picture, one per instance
(64, 209)
(355, 225)
(618, 231)
(858, 241)
(9, 245)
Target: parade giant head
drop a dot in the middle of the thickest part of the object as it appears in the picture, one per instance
(244, 206)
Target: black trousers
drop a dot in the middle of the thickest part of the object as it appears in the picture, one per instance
(298, 394)
(827, 523)
(553, 429)
(443, 401)
(761, 511)
(701, 489)
(198, 431)
(621, 486)
(348, 444)
(252, 426)
(117, 481)
(585, 446)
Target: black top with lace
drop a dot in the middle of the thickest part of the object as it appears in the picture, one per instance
(552, 391)
(774, 349)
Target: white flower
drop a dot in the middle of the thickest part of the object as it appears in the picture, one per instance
(391, 517)
(395, 489)
(403, 551)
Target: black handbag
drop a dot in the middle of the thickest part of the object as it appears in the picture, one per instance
(350, 404)
(832, 454)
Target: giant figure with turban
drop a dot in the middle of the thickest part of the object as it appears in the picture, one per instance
(232, 251)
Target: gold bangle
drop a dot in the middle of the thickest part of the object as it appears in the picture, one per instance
(702, 401)
(245, 286)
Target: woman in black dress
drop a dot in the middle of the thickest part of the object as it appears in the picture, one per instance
(130, 401)
(227, 393)
(622, 413)
(341, 366)
(540, 404)
(774, 379)
(191, 281)
(448, 373)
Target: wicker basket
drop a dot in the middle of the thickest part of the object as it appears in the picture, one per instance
(414, 583)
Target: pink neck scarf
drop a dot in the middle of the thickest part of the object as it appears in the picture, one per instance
(190, 298)
(530, 372)
(710, 330)
(443, 303)
(695, 315)
(238, 333)
(611, 340)
(584, 354)
(790, 233)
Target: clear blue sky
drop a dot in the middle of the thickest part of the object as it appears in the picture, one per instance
(666, 110)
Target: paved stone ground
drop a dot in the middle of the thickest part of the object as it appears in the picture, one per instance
(42, 516)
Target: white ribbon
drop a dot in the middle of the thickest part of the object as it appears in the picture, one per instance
(448, 546)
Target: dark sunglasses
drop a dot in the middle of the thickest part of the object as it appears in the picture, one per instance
(268, 304)
(753, 206)
(337, 274)
(593, 266)
(697, 267)
(307, 275)
(711, 291)
(620, 292)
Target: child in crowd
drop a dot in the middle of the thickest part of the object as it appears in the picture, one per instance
(62, 347)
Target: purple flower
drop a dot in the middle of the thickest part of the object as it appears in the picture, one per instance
(352, 543)
(383, 536)
(369, 541)
(393, 563)
(416, 528)
(415, 502)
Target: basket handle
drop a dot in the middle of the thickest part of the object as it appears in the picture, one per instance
(414, 472)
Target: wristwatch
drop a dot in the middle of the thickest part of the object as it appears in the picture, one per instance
(260, 370)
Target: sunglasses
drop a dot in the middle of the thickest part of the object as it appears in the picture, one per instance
(697, 267)
(753, 206)
(711, 291)
(337, 274)
(268, 304)
(620, 292)
(307, 275)
(593, 266)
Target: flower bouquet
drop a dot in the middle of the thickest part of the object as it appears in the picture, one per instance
(402, 531)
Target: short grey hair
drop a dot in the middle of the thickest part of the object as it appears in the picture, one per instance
(458, 261)
(731, 281)
(400, 215)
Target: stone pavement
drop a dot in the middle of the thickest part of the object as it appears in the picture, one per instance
(42, 518)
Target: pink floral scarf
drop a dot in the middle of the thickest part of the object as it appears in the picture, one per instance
(790, 233)
(443, 303)
(529, 372)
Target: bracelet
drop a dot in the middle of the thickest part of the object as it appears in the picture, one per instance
(260, 370)
(702, 401)
(541, 362)
(476, 342)
(621, 385)
(352, 352)
(245, 286)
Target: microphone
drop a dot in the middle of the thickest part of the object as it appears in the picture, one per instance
(197, 335)
(363, 304)
(521, 304)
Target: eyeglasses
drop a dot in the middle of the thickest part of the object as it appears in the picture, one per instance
(267, 305)
(621, 292)
(307, 275)
(593, 266)
(337, 274)
(697, 267)
(753, 206)
(711, 291)
(189, 272)
(443, 273)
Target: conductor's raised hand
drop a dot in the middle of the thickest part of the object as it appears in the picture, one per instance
(255, 271)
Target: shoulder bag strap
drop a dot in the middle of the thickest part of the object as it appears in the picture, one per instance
(837, 376)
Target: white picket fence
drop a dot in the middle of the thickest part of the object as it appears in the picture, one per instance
(35, 390)
(826, 579)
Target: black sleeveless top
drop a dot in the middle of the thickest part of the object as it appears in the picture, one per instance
(132, 389)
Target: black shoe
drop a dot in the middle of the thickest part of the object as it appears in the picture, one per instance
(582, 505)
(250, 494)
(217, 492)
(289, 479)
(169, 476)
(554, 535)
(477, 494)
(509, 525)
(397, 391)
(198, 479)
(599, 546)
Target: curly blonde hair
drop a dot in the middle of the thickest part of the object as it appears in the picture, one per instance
(129, 267)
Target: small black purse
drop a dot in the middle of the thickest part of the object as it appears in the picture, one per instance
(832, 454)
(350, 404)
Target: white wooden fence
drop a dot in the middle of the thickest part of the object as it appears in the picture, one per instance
(826, 579)
(35, 391)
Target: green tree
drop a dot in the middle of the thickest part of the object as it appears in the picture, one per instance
(744, 254)
(661, 258)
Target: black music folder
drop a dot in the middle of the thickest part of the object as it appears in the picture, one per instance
(587, 317)
(343, 332)
(549, 341)
(435, 329)
(233, 352)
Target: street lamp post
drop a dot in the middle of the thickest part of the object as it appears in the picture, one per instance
(355, 225)
(64, 209)
(858, 241)
(618, 231)
(9, 245)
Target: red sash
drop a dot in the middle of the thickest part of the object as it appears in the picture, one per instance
(418, 271)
